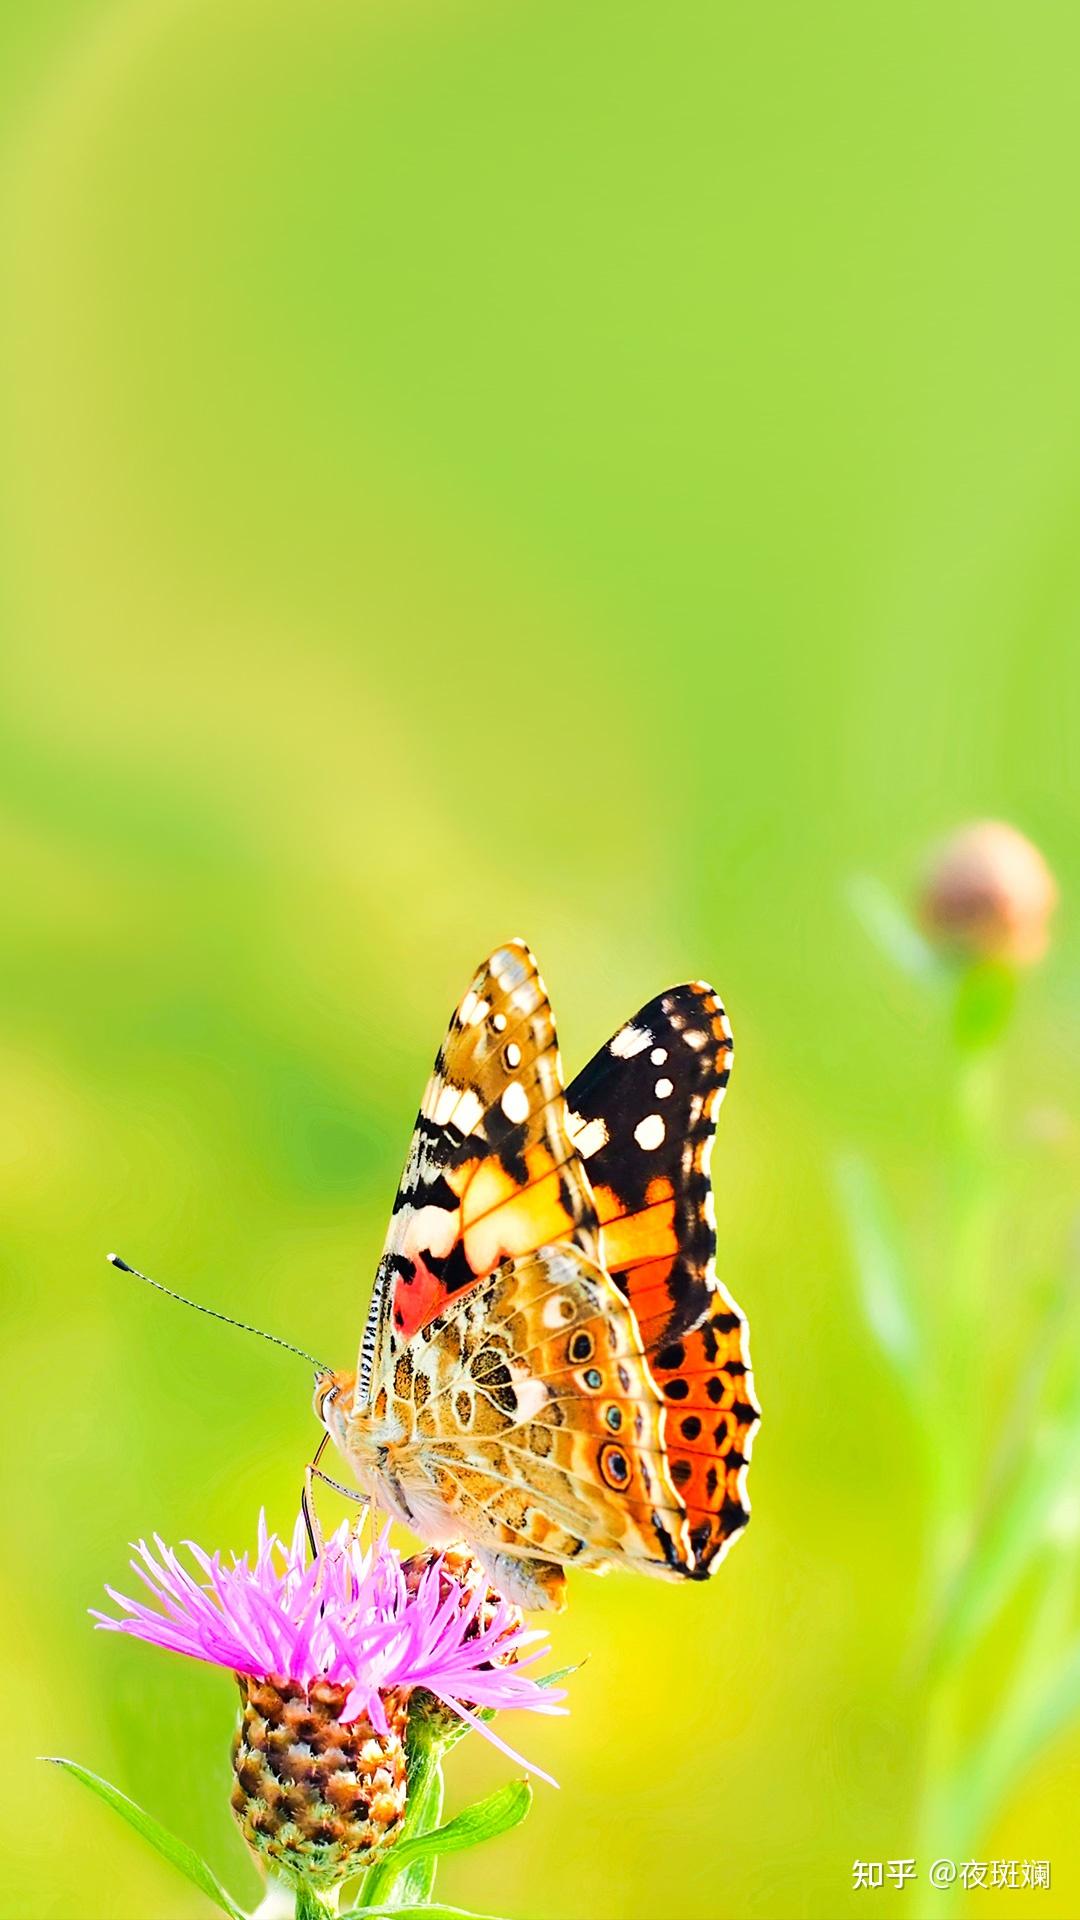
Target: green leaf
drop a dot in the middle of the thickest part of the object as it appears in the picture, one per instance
(501, 1811)
(1042, 1697)
(885, 1290)
(1055, 1707)
(1014, 1531)
(415, 1912)
(177, 1851)
(405, 1875)
(561, 1673)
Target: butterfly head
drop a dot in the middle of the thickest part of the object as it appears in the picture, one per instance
(334, 1402)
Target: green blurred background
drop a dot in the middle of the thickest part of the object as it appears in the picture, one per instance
(607, 472)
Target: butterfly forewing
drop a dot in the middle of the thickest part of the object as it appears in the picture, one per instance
(492, 1172)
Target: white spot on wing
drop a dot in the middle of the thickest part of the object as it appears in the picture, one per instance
(551, 1314)
(513, 1055)
(658, 1056)
(630, 1040)
(588, 1136)
(445, 1104)
(498, 1021)
(695, 1038)
(515, 1103)
(649, 1133)
(532, 1395)
(509, 969)
(432, 1230)
(470, 1110)
(663, 1088)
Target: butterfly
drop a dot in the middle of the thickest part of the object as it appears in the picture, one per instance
(551, 1372)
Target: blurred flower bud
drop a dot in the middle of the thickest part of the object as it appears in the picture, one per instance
(989, 895)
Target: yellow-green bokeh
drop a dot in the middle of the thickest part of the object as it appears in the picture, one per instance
(603, 471)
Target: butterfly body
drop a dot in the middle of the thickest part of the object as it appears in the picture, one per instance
(550, 1371)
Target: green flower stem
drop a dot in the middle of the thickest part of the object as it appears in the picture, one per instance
(1000, 1504)
(961, 1342)
(316, 1904)
(959, 1400)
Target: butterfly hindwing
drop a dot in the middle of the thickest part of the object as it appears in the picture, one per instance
(492, 1172)
(527, 1410)
(643, 1115)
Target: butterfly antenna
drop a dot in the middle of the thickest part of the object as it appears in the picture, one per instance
(244, 1326)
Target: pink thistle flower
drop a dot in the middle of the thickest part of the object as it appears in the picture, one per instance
(349, 1617)
(328, 1655)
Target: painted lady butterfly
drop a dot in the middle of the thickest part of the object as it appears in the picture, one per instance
(550, 1370)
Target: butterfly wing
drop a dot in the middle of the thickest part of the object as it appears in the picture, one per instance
(527, 1416)
(643, 1115)
(528, 1219)
(492, 1172)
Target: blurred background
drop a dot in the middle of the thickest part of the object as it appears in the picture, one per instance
(607, 473)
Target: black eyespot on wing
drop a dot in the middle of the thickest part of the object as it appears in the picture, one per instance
(615, 1467)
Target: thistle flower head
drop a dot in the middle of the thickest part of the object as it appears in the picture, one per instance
(351, 1616)
(989, 895)
(328, 1655)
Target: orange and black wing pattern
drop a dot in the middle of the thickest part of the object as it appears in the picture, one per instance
(642, 1116)
(492, 1172)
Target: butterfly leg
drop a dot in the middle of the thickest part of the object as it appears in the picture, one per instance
(313, 1472)
(537, 1585)
(347, 1493)
(307, 1501)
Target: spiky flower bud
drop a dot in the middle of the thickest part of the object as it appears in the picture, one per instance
(456, 1569)
(496, 1620)
(989, 895)
(316, 1795)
